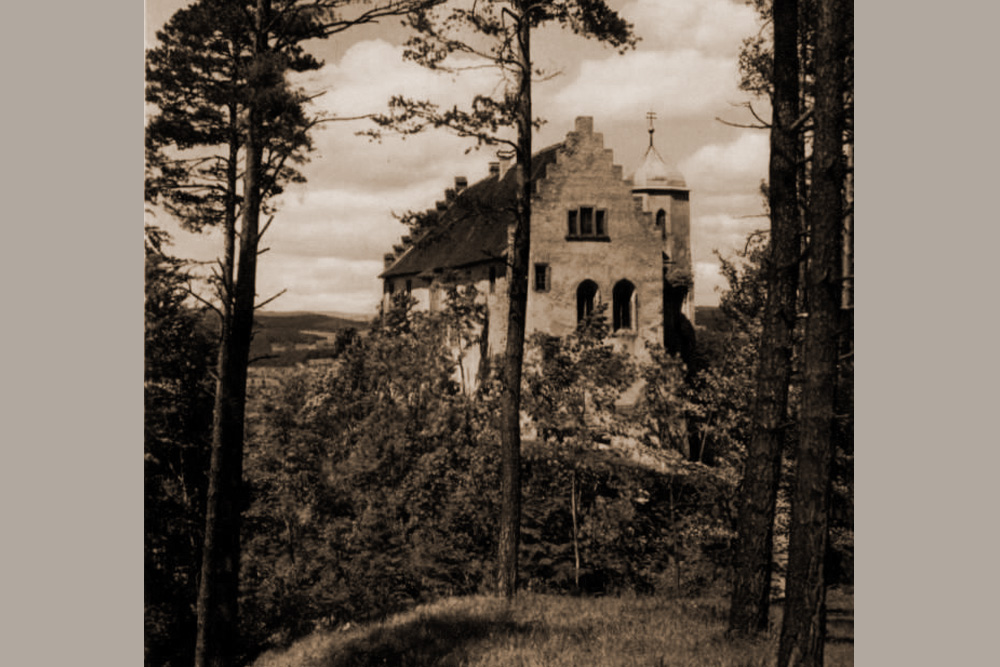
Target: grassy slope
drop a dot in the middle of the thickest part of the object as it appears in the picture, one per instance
(553, 631)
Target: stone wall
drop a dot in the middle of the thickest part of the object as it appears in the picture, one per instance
(584, 174)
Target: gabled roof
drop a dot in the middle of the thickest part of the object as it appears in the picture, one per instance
(473, 229)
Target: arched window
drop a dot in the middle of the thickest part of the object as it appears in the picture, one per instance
(661, 218)
(586, 296)
(623, 305)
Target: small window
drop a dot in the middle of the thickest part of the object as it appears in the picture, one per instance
(409, 285)
(390, 287)
(587, 223)
(493, 279)
(661, 218)
(541, 277)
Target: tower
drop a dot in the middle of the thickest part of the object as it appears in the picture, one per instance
(665, 196)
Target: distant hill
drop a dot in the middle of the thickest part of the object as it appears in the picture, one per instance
(289, 338)
(332, 314)
(286, 323)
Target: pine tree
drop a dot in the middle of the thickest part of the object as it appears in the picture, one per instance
(177, 428)
(218, 82)
(804, 624)
(766, 67)
(498, 32)
(758, 490)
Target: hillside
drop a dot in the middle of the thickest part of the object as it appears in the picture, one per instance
(557, 631)
(289, 338)
(293, 337)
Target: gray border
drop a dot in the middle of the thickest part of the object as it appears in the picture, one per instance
(72, 267)
(927, 457)
(72, 417)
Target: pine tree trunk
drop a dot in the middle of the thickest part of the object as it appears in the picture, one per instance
(804, 628)
(576, 532)
(510, 396)
(218, 595)
(758, 493)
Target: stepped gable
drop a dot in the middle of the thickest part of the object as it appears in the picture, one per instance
(473, 228)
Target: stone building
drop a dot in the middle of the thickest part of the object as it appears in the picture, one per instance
(596, 237)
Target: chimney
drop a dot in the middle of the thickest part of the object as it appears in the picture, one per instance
(494, 168)
(449, 195)
(388, 258)
(461, 182)
(441, 206)
(405, 240)
(397, 248)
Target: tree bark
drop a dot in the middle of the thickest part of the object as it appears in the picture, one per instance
(758, 494)
(218, 596)
(804, 628)
(576, 533)
(510, 395)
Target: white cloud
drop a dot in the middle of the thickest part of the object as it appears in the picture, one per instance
(372, 71)
(345, 223)
(320, 283)
(738, 166)
(330, 233)
(711, 26)
(344, 160)
(743, 203)
(725, 233)
(708, 281)
(680, 83)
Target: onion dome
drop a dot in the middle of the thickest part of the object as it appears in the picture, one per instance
(655, 173)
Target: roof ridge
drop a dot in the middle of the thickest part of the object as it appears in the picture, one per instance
(473, 226)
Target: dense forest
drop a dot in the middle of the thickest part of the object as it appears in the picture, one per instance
(371, 482)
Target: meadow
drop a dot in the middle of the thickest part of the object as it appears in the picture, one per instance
(537, 630)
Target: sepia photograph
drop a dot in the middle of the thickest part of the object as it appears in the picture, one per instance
(498, 332)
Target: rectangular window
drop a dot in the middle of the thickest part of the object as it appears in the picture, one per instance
(541, 277)
(409, 285)
(389, 287)
(493, 279)
(587, 223)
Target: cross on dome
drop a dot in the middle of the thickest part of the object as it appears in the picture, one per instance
(654, 172)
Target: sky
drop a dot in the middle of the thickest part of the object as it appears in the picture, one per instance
(329, 235)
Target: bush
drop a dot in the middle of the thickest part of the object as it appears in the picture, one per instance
(374, 485)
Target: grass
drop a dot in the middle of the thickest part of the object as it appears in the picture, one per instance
(556, 631)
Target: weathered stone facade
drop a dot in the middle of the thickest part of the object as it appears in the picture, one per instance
(596, 238)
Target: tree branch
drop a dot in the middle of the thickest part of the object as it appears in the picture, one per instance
(198, 297)
(742, 125)
(262, 357)
(267, 301)
(801, 120)
(263, 229)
